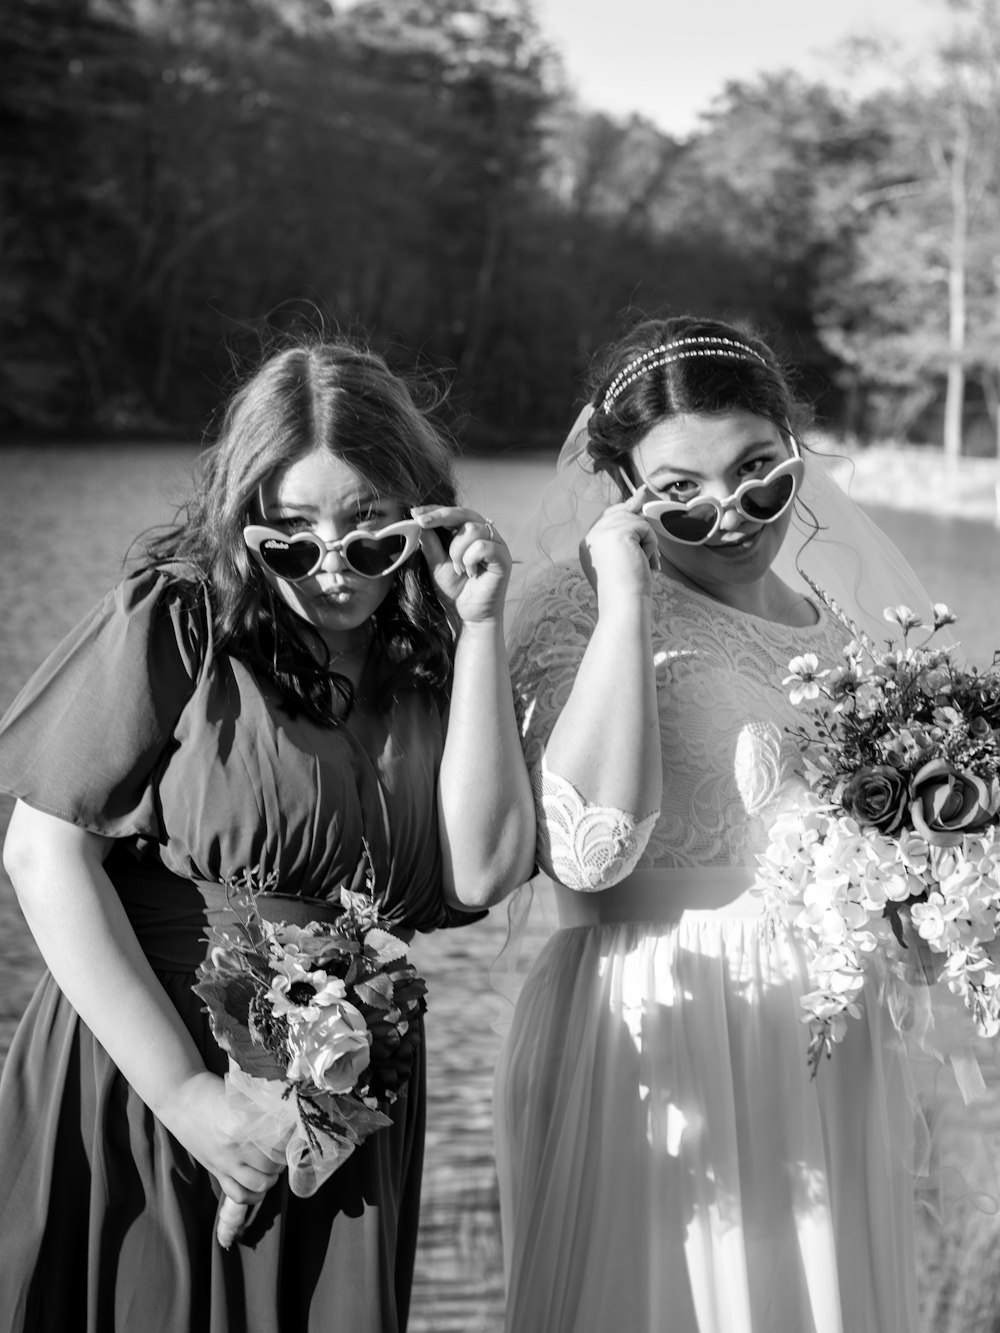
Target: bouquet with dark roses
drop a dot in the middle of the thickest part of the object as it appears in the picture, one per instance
(899, 830)
(320, 1023)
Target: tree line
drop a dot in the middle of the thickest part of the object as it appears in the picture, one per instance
(183, 178)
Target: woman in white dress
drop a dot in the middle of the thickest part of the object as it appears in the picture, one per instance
(666, 1164)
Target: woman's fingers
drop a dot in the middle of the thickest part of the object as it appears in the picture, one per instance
(433, 548)
(642, 528)
(471, 551)
(202, 1117)
(635, 502)
(473, 547)
(234, 1189)
(446, 516)
(609, 550)
(245, 1184)
(650, 546)
(253, 1160)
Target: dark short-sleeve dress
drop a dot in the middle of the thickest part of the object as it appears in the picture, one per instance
(136, 729)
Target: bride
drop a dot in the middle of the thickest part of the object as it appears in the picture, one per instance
(665, 1161)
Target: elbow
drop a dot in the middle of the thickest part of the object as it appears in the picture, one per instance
(27, 847)
(25, 864)
(475, 894)
(498, 875)
(480, 872)
(16, 856)
(40, 848)
(474, 897)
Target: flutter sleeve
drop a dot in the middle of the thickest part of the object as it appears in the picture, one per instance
(583, 846)
(84, 737)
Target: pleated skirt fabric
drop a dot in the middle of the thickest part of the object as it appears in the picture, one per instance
(666, 1163)
(107, 1224)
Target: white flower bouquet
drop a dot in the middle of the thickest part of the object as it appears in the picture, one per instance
(320, 1023)
(896, 849)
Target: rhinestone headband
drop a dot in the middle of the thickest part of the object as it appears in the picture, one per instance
(678, 350)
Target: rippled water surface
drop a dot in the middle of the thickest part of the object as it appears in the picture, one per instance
(67, 517)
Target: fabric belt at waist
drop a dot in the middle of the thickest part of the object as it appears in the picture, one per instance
(661, 895)
(171, 915)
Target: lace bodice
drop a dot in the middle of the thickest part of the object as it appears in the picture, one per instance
(728, 760)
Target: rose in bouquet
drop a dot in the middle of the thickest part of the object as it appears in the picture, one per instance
(896, 850)
(320, 1024)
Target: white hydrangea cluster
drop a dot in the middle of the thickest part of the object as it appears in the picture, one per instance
(842, 886)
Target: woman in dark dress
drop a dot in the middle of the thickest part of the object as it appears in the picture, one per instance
(286, 702)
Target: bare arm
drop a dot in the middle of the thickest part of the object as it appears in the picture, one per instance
(485, 805)
(89, 945)
(485, 802)
(606, 741)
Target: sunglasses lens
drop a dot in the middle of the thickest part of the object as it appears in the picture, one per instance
(767, 501)
(373, 558)
(289, 560)
(689, 525)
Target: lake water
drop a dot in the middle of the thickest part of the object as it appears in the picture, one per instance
(68, 515)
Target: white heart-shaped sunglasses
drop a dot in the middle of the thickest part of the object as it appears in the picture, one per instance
(372, 555)
(696, 521)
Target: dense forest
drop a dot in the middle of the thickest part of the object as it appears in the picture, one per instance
(183, 178)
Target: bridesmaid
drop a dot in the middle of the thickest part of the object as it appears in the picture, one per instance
(310, 664)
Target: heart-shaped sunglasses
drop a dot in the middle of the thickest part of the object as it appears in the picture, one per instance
(294, 556)
(696, 521)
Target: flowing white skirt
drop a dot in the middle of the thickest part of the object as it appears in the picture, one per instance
(666, 1164)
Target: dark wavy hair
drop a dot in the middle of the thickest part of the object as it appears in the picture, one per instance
(690, 384)
(320, 394)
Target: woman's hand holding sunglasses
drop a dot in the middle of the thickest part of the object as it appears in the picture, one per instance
(471, 575)
(620, 550)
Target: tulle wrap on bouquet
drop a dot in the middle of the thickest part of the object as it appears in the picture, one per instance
(273, 1121)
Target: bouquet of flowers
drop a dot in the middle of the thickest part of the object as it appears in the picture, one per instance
(320, 1025)
(897, 846)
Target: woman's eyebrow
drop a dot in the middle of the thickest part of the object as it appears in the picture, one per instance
(675, 470)
(672, 470)
(363, 500)
(294, 506)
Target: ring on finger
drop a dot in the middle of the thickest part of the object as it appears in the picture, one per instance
(491, 530)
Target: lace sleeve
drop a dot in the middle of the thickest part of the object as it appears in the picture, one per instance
(586, 847)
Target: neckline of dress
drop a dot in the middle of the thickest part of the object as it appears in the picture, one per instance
(671, 586)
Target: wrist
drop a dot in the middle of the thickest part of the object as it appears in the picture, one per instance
(489, 628)
(626, 610)
(171, 1099)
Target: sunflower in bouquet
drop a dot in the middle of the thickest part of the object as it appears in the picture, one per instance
(320, 1022)
(895, 851)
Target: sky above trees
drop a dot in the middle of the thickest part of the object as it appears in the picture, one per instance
(668, 60)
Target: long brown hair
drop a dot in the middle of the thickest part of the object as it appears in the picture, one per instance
(335, 395)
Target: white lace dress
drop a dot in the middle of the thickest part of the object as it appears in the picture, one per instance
(666, 1164)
